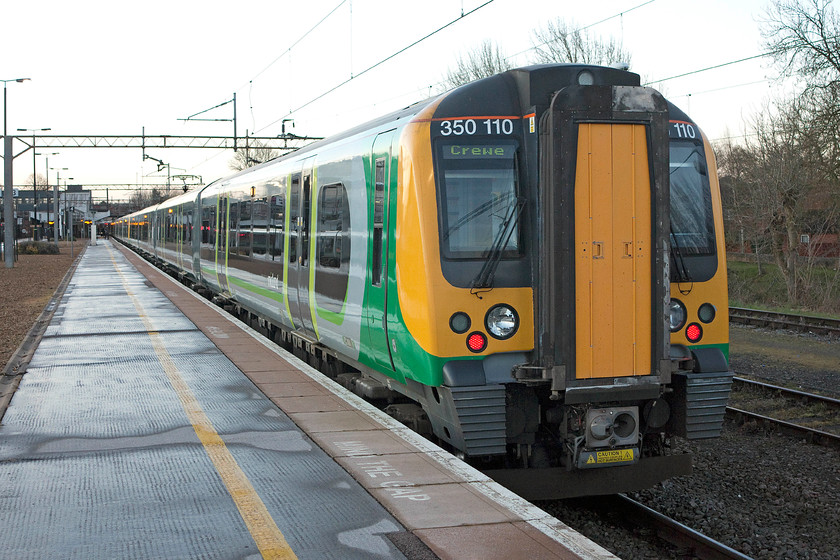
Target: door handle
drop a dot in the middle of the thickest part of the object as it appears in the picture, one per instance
(597, 249)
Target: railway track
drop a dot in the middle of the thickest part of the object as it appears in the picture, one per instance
(688, 542)
(773, 320)
(809, 407)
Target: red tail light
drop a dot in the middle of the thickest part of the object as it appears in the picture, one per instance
(476, 342)
(694, 332)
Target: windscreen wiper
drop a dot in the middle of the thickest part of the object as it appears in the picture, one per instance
(491, 204)
(483, 282)
(682, 274)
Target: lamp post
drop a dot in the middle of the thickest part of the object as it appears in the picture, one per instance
(8, 203)
(70, 212)
(58, 171)
(47, 168)
(34, 173)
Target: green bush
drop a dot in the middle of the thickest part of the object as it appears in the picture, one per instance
(38, 248)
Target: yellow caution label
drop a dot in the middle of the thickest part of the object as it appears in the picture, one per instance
(614, 456)
(607, 458)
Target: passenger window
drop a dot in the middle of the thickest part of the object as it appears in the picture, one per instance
(278, 223)
(259, 226)
(294, 214)
(333, 245)
(333, 212)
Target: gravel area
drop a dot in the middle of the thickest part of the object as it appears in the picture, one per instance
(25, 290)
(800, 361)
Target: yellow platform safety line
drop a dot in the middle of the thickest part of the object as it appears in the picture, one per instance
(268, 537)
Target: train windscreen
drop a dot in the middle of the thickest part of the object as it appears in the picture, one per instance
(478, 195)
(692, 223)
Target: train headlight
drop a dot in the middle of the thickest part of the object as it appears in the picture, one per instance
(586, 78)
(677, 315)
(501, 321)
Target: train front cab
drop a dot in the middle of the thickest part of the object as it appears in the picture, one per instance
(635, 205)
(588, 389)
(641, 221)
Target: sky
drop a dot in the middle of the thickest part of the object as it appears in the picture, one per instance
(117, 68)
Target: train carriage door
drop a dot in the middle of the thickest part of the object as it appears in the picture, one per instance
(300, 214)
(222, 236)
(613, 251)
(292, 253)
(604, 213)
(377, 301)
(205, 264)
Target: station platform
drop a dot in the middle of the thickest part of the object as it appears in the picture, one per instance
(149, 423)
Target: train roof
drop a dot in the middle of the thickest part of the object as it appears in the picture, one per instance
(538, 82)
(532, 86)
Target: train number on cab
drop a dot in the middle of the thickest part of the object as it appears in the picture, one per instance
(469, 127)
(679, 129)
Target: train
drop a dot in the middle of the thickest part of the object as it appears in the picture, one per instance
(529, 268)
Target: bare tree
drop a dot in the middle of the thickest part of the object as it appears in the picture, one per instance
(253, 154)
(803, 35)
(485, 60)
(557, 42)
(781, 184)
(734, 164)
(804, 38)
(140, 199)
(561, 42)
(38, 182)
(785, 178)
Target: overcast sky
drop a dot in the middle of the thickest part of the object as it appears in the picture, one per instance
(112, 68)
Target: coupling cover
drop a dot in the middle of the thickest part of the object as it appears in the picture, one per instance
(612, 427)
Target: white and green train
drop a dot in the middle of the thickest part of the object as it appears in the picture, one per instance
(535, 260)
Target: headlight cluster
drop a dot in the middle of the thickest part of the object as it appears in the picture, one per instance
(678, 316)
(501, 322)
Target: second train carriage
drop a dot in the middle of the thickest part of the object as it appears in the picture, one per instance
(535, 259)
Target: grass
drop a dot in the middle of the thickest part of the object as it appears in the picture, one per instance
(767, 290)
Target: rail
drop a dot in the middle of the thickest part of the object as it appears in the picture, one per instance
(699, 545)
(775, 320)
(812, 435)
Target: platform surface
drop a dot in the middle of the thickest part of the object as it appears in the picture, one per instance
(135, 433)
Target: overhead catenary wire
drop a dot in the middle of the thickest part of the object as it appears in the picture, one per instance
(463, 14)
(715, 67)
(587, 26)
(352, 76)
(377, 64)
(297, 42)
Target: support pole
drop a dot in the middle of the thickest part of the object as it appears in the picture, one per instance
(8, 202)
(55, 211)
